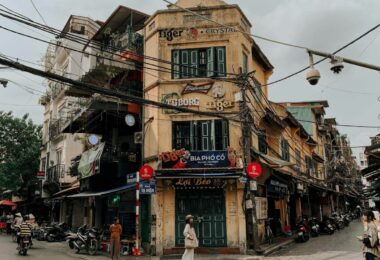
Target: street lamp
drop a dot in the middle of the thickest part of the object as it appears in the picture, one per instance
(4, 82)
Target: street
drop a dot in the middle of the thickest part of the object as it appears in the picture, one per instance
(342, 245)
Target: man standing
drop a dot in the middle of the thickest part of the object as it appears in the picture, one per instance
(115, 230)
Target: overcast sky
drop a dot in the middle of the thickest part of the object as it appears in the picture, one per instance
(325, 25)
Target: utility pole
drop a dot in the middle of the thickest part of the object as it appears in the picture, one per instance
(243, 82)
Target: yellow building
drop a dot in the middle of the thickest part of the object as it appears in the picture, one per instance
(198, 158)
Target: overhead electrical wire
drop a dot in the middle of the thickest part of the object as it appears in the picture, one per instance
(275, 41)
(81, 40)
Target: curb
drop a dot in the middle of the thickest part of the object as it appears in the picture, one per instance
(274, 248)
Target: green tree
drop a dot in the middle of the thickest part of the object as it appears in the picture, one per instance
(20, 141)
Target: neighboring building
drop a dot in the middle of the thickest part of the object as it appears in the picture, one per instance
(112, 152)
(362, 160)
(371, 174)
(57, 148)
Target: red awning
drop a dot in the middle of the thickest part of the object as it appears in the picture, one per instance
(7, 203)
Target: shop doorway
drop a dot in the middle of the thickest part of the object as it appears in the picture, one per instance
(208, 208)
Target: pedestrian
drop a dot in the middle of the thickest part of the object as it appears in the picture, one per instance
(370, 237)
(18, 219)
(9, 222)
(115, 230)
(191, 241)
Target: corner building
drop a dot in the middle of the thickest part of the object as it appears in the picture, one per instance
(198, 159)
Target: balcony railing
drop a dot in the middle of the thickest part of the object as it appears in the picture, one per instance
(54, 173)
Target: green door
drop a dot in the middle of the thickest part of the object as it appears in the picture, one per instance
(208, 208)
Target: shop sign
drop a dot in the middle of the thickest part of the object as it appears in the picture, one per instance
(202, 88)
(40, 175)
(220, 104)
(181, 159)
(221, 30)
(199, 183)
(171, 33)
(148, 188)
(174, 99)
(261, 207)
(275, 186)
(131, 178)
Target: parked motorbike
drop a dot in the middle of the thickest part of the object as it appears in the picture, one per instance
(57, 233)
(337, 220)
(24, 245)
(303, 233)
(314, 227)
(71, 237)
(346, 219)
(325, 227)
(87, 240)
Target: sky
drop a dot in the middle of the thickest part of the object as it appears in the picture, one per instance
(324, 25)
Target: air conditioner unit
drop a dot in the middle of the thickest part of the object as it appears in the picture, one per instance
(138, 138)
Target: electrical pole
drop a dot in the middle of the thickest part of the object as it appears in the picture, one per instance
(246, 122)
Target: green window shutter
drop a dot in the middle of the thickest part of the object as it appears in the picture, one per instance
(210, 62)
(221, 62)
(194, 60)
(175, 64)
(185, 64)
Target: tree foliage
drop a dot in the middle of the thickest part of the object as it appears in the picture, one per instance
(20, 141)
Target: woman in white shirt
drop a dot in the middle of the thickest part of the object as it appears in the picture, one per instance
(191, 241)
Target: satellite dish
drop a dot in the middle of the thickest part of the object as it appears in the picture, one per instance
(93, 140)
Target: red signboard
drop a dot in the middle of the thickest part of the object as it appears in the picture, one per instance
(146, 172)
(40, 174)
(254, 170)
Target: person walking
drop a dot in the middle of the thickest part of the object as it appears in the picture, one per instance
(370, 237)
(191, 241)
(115, 230)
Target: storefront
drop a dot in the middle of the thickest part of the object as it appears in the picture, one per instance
(213, 198)
(278, 195)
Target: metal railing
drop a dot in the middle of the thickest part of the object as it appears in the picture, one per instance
(54, 173)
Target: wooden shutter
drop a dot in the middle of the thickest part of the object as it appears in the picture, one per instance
(210, 62)
(194, 60)
(185, 64)
(221, 61)
(175, 64)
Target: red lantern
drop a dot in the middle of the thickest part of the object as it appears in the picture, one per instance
(146, 172)
(254, 170)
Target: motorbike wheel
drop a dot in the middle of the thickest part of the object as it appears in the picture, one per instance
(25, 252)
(93, 248)
(78, 246)
(50, 239)
(71, 244)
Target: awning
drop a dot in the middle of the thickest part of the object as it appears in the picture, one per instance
(89, 162)
(66, 191)
(103, 193)
(7, 203)
(271, 161)
(370, 168)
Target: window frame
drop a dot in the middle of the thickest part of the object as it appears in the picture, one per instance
(285, 150)
(199, 62)
(205, 135)
(263, 142)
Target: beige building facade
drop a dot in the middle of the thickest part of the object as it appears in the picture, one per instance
(199, 158)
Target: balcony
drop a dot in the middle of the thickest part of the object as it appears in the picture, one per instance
(55, 172)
